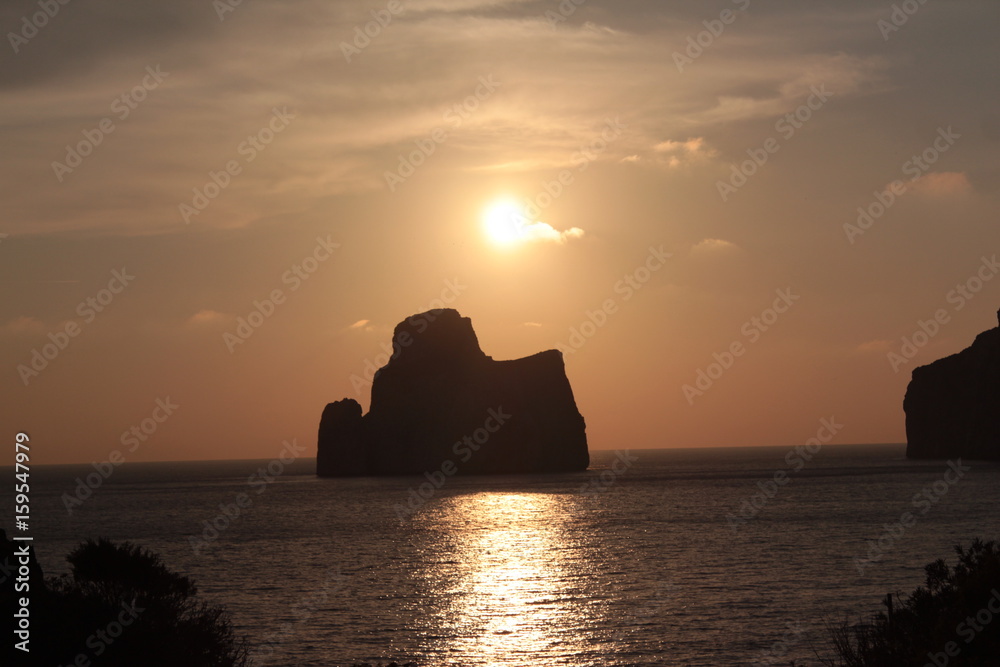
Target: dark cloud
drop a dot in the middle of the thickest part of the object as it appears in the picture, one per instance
(83, 35)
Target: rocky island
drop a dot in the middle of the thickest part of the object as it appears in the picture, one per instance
(953, 404)
(441, 404)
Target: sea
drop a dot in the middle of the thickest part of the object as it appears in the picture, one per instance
(728, 556)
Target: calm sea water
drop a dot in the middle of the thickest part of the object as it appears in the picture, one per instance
(622, 565)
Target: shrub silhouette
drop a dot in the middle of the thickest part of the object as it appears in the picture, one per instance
(939, 616)
(121, 606)
(117, 571)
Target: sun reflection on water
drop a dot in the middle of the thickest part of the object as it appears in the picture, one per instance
(514, 592)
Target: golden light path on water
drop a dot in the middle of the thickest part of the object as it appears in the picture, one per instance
(515, 590)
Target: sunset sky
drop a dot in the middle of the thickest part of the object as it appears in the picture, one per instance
(675, 169)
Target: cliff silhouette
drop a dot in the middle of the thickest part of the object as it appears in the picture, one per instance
(953, 404)
(441, 403)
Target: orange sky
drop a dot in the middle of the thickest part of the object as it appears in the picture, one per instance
(692, 188)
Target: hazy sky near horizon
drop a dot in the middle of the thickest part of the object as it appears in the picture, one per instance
(355, 173)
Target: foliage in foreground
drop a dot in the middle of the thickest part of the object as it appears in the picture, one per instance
(954, 620)
(121, 606)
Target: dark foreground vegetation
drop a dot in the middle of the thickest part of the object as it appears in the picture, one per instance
(120, 606)
(953, 621)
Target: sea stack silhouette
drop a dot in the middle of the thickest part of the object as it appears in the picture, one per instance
(953, 404)
(442, 404)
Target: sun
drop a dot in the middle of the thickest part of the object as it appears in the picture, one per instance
(504, 222)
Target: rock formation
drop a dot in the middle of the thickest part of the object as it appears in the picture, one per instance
(953, 404)
(441, 405)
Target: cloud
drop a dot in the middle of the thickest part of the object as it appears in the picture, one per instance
(73, 44)
(779, 87)
(356, 119)
(508, 223)
(207, 316)
(543, 231)
(713, 246)
(24, 325)
(942, 184)
(691, 145)
(532, 324)
(674, 153)
(362, 325)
